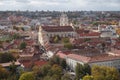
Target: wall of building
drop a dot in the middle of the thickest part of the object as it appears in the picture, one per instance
(110, 63)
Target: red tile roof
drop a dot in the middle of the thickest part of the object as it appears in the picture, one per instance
(57, 28)
(79, 58)
(27, 64)
(98, 58)
(90, 34)
(80, 31)
(63, 54)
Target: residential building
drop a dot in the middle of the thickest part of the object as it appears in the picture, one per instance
(108, 31)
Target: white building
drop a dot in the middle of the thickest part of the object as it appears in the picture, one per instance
(64, 20)
(110, 59)
(100, 60)
(46, 32)
(109, 31)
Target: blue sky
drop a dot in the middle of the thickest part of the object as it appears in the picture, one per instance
(60, 5)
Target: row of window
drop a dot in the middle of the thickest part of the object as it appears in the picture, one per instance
(61, 35)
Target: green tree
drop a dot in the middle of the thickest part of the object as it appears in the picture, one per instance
(87, 69)
(16, 36)
(6, 57)
(87, 77)
(79, 71)
(13, 77)
(45, 69)
(56, 39)
(23, 45)
(54, 77)
(57, 70)
(66, 77)
(54, 60)
(47, 78)
(68, 45)
(105, 73)
(13, 68)
(27, 76)
(87, 39)
(63, 63)
(65, 40)
(3, 73)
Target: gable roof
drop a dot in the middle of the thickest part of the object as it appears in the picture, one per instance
(57, 28)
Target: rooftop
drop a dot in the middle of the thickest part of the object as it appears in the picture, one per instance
(57, 28)
(90, 34)
(92, 59)
(9, 63)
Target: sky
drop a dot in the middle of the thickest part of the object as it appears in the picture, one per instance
(60, 5)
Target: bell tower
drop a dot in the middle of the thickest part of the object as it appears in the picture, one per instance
(64, 20)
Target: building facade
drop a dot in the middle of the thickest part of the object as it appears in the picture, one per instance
(64, 20)
(101, 60)
(46, 32)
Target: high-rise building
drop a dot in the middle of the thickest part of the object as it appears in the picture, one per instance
(64, 20)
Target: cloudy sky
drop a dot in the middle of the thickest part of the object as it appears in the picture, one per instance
(60, 5)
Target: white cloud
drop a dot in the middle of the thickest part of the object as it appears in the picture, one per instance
(59, 4)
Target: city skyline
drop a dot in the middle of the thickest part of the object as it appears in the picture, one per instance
(60, 5)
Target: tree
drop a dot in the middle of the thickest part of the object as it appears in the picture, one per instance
(27, 76)
(65, 40)
(3, 73)
(56, 39)
(47, 78)
(37, 72)
(63, 63)
(98, 73)
(87, 69)
(13, 68)
(23, 45)
(54, 60)
(87, 39)
(48, 72)
(79, 71)
(16, 36)
(66, 77)
(105, 73)
(87, 77)
(45, 70)
(57, 60)
(54, 77)
(57, 70)
(6, 57)
(68, 45)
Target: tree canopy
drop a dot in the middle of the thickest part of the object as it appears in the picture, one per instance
(3, 73)
(105, 73)
(82, 70)
(6, 57)
(27, 76)
(23, 45)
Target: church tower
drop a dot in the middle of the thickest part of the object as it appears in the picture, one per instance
(64, 20)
